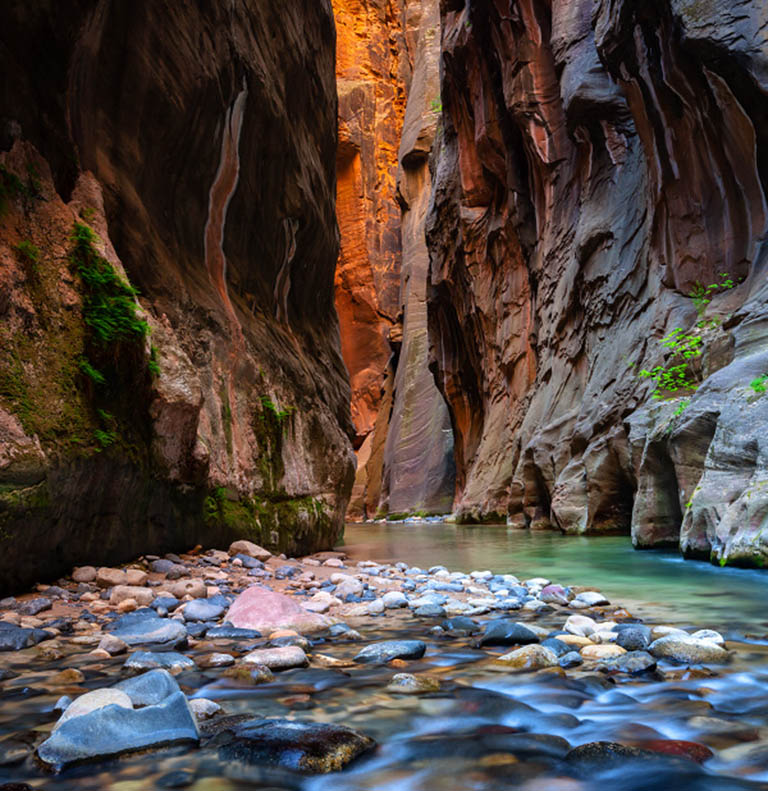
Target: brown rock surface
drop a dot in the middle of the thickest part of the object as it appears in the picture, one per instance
(598, 160)
(373, 70)
(208, 178)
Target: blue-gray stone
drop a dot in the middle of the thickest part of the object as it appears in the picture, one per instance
(248, 562)
(197, 629)
(392, 649)
(149, 688)
(460, 623)
(506, 632)
(149, 630)
(508, 604)
(558, 646)
(150, 660)
(113, 730)
(570, 659)
(229, 632)
(35, 606)
(634, 637)
(202, 610)
(430, 611)
(14, 638)
(167, 603)
(632, 662)
(161, 566)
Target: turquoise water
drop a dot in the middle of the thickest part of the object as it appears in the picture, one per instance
(683, 591)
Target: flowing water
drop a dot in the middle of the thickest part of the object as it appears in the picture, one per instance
(487, 729)
(673, 589)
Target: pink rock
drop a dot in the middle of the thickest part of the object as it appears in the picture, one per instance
(263, 609)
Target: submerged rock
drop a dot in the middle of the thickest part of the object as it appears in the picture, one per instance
(604, 755)
(147, 628)
(168, 660)
(409, 684)
(392, 649)
(310, 747)
(282, 658)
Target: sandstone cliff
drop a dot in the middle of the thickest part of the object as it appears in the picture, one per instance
(599, 159)
(190, 153)
(387, 76)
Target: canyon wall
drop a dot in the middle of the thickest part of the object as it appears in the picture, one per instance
(387, 76)
(187, 154)
(598, 161)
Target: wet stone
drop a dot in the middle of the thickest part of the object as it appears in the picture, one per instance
(202, 610)
(168, 660)
(309, 747)
(429, 611)
(506, 632)
(35, 606)
(570, 659)
(634, 637)
(145, 627)
(633, 662)
(392, 649)
(278, 658)
(149, 688)
(232, 633)
(14, 638)
(687, 649)
(460, 624)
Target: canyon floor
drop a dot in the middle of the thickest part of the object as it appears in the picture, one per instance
(239, 669)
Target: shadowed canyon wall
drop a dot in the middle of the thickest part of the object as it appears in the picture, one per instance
(387, 76)
(199, 145)
(598, 160)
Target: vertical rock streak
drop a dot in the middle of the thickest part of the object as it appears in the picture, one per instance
(219, 197)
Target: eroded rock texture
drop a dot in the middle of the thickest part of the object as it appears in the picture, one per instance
(373, 71)
(199, 144)
(418, 459)
(389, 50)
(600, 158)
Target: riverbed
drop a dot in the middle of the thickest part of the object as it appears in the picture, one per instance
(478, 723)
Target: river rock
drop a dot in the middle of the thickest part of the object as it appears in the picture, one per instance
(112, 645)
(244, 547)
(195, 588)
(142, 596)
(709, 634)
(202, 610)
(409, 684)
(392, 649)
(149, 660)
(84, 574)
(393, 600)
(633, 662)
(570, 659)
(460, 625)
(92, 701)
(115, 729)
(15, 638)
(147, 628)
(529, 657)
(346, 586)
(229, 632)
(603, 651)
(604, 755)
(321, 602)
(589, 599)
(507, 632)
(430, 611)
(150, 688)
(136, 577)
(685, 648)
(108, 578)
(34, 606)
(634, 637)
(580, 625)
(282, 658)
(554, 594)
(558, 646)
(310, 747)
(204, 709)
(260, 608)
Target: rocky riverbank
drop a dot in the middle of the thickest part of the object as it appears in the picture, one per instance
(245, 667)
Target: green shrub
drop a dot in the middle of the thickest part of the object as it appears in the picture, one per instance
(702, 295)
(670, 378)
(92, 373)
(758, 385)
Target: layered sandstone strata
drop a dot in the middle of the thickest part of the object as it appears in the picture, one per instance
(598, 160)
(199, 146)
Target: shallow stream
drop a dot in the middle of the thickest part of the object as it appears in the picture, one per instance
(487, 729)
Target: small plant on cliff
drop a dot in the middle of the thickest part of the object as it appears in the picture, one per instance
(702, 295)
(92, 373)
(109, 307)
(281, 415)
(436, 105)
(759, 384)
(676, 374)
(153, 365)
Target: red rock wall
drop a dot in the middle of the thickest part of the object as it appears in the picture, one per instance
(598, 160)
